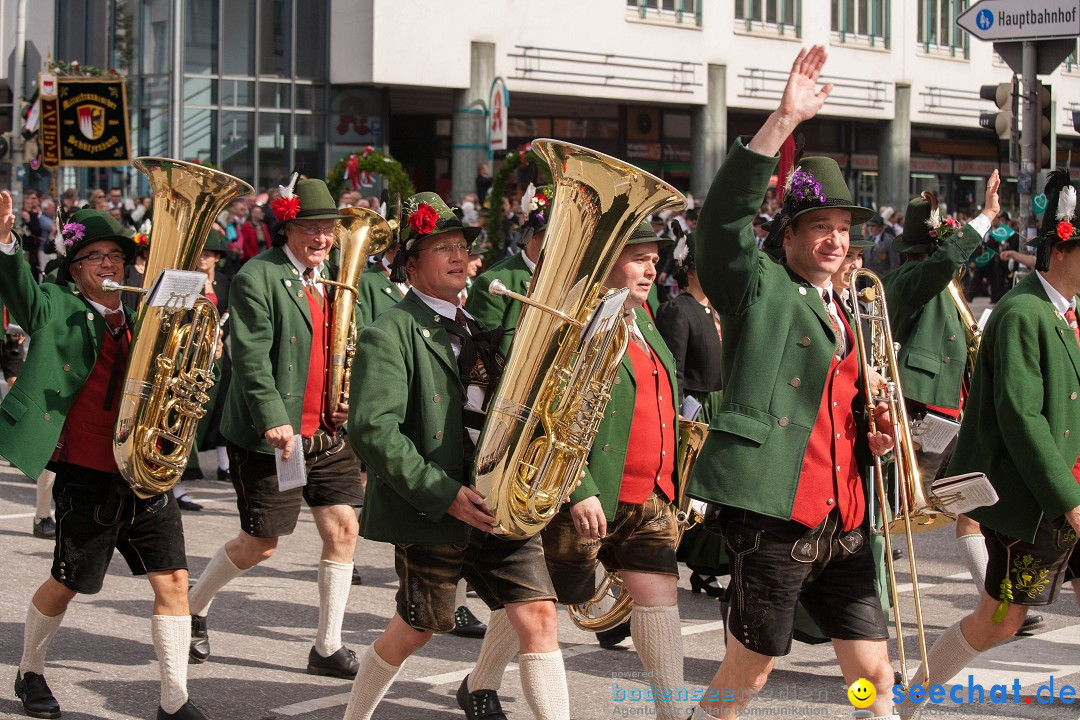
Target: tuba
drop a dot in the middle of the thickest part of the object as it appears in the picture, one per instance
(569, 341)
(972, 331)
(171, 359)
(611, 604)
(362, 234)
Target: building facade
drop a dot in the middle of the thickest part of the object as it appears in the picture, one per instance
(255, 87)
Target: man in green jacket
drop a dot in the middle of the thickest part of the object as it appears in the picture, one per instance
(1020, 428)
(277, 405)
(418, 400)
(515, 272)
(785, 452)
(377, 290)
(926, 323)
(629, 486)
(62, 414)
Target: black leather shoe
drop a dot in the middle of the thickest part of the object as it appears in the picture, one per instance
(708, 583)
(37, 698)
(186, 503)
(610, 638)
(480, 705)
(199, 649)
(467, 625)
(897, 553)
(223, 475)
(1031, 622)
(187, 711)
(341, 664)
(356, 579)
(45, 528)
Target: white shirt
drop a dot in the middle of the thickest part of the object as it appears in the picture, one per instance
(403, 287)
(302, 268)
(831, 308)
(528, 263)
(1061, 303)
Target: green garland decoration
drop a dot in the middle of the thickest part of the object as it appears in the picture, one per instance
(74, 69)
(397, 180)
(514, 160)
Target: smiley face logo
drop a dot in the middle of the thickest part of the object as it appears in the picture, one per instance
(862, 693)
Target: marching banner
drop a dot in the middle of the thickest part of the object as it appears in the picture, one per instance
(499, 105)
(84, 121)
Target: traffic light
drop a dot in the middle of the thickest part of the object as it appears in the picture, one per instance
(1045, 116)
(1003, 121)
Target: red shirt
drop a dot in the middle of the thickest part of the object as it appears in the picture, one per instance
(830, 472)
(650, 454)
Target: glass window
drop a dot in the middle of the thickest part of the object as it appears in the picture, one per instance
(200, 135)
(237, 146)
(275, 95)
(309, 134)
(200, 91)
(237, 92)
(154, 40)
(310, 97)
(201, 36)
(771, 12)
(154, 132)
(273, 148)
(311, 57)
(862, 18)
(937, 25)
(155, 90)
(238, 20)
(275, 37)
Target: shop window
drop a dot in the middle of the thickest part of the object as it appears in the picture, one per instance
(201, 36)
(938, 32)
(862, 21)
(781, 16)
(681, 12)
(238, 53)
(200, 135)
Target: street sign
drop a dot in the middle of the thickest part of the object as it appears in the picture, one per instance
(1013, 20)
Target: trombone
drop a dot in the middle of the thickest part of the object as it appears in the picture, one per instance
(880, 370)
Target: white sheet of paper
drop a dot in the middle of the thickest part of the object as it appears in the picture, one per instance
(176, 289)
(291, 473)
(934, 432)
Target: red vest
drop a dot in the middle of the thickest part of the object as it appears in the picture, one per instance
(315, 390)
(650, 453)
(830, 472)
(87, 437)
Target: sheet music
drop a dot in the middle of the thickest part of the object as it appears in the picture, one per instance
(690, 408)
(291, 473)
(964, 493)
(934, 432)
(176, 289)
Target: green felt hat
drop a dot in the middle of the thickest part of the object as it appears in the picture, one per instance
(817, 184)
(643, 233)
(924, 228)
(1059, 221)
(425, 215)
(307, 200)
(857, 239)
(90, 226)
(215, 242)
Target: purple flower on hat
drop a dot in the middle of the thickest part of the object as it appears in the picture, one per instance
(73, 232)
(802, 185)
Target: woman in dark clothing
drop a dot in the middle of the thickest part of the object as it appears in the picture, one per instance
(691, 329)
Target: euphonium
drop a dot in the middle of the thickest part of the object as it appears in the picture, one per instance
(972, 331)
(611, 604)
(170, 362)
(561, 365)
(363, 233)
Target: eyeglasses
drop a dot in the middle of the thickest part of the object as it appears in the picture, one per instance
(96, 258)
(316, 230)
(448, 250)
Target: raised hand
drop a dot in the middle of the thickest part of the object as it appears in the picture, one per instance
(7, 217)
(802, 100)
(992, 205)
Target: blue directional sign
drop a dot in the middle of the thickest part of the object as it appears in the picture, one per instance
(1013, 20)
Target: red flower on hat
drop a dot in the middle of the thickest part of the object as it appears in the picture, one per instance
(423, 218)
(1065, 230)
(285, 208)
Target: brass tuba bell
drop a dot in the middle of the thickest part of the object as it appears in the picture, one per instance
(170, 362)
(542, 421)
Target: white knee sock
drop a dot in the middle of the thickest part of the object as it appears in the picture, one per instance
(216, 576)
(543, 681)
(335, 581)
(43, 502)
(37, 634)
(658, 638)
(172, 636)
(498, 649)
(372, 681)
(948, 656)
(459, 594)
(973, 550)
(222, 458)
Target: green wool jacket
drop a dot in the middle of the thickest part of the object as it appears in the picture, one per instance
(604, 473)
(494, 311)
(781, 343)
(65, 338)
(926, 323)
(1022, 420)
(271, 347)
(405, 423)
(377, 294)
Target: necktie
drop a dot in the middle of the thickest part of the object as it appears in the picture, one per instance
(634, 336)
(116, 321)
(461, 319)
(312, 290)
(1070, 317)
(837, 332)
